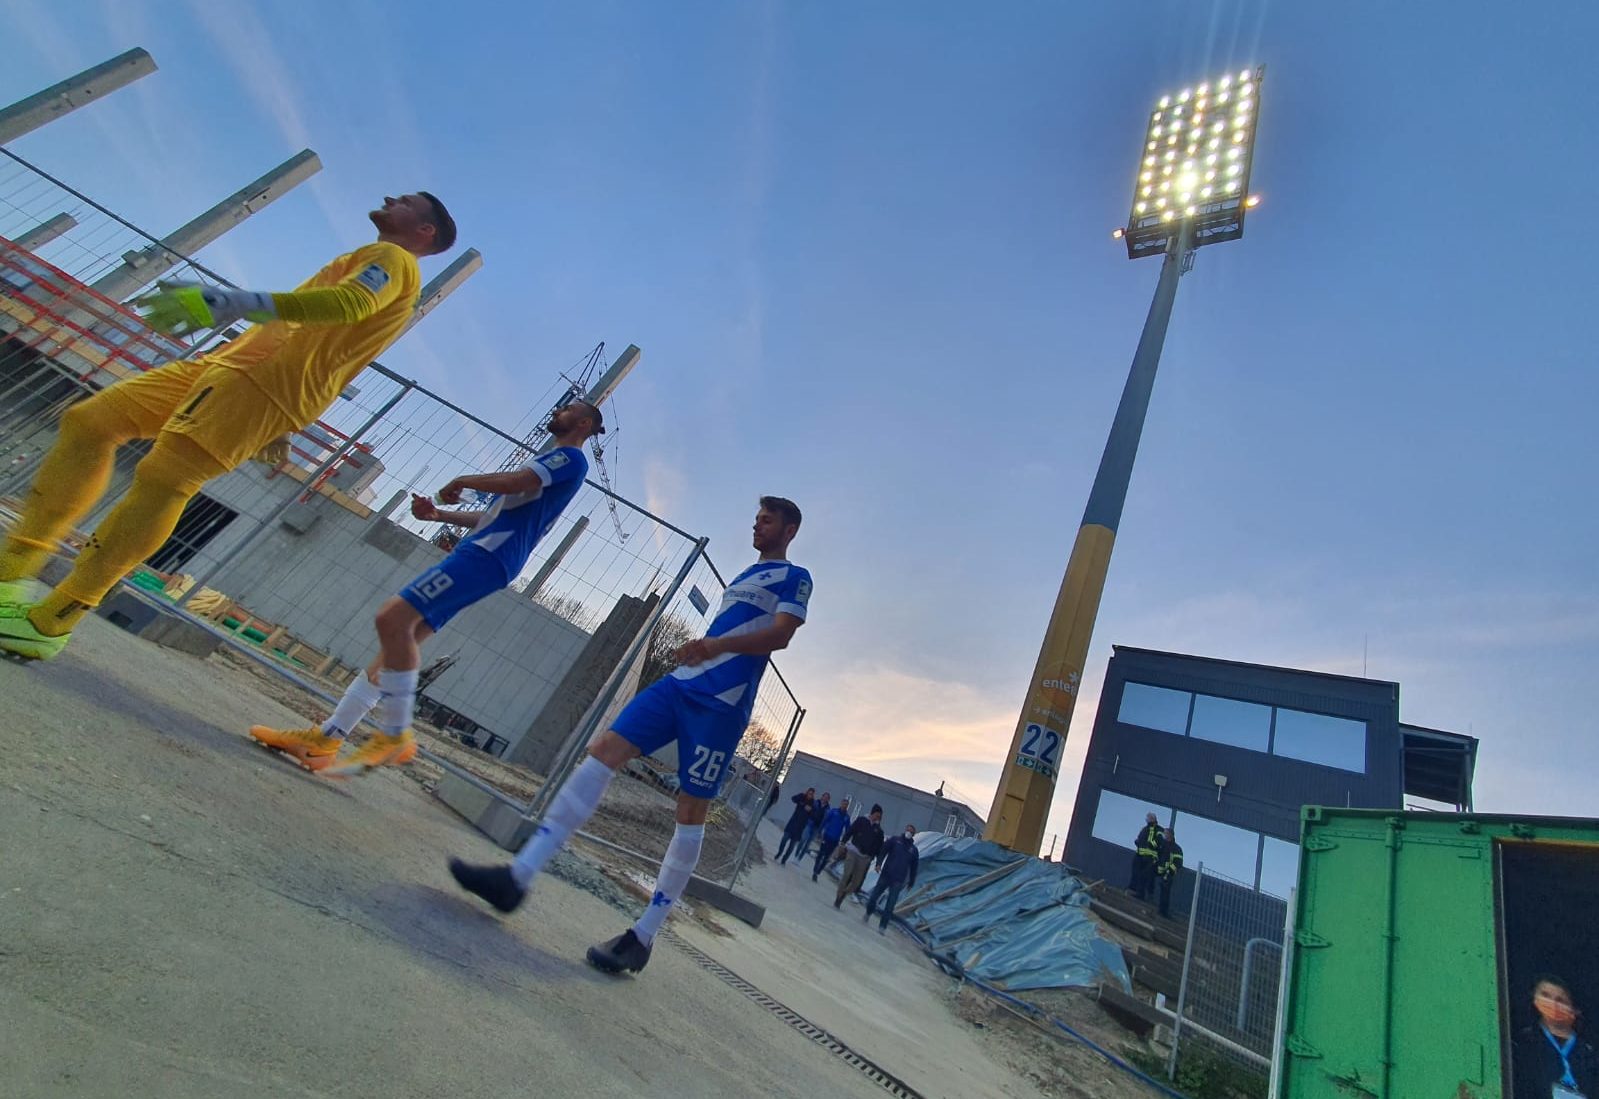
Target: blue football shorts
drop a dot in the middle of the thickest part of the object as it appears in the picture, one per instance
(467, 575)
(706, 732)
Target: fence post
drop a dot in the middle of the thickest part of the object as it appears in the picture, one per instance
(584, 732)
(1274, 1081)
(759, 812)
(1182, 989)
(264, 525)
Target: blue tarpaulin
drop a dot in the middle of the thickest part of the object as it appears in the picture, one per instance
(1027, 926)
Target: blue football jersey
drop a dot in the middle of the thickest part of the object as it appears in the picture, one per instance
(513, 525)
(751, 602)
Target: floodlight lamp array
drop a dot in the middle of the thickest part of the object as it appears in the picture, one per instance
(1197, 154)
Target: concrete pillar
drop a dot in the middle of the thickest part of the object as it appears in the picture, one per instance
(27, 115)
(145, 265)
(445, 283)
(549, 567)
(612, 378)
(46, 231)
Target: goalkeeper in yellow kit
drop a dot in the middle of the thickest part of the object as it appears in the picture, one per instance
(207, 415)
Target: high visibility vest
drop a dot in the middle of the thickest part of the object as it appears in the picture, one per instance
(1172, 863)
(1147, 842)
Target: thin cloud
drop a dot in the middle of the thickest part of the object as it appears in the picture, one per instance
(245, 43)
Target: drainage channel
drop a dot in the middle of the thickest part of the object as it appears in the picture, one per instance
(867, 1068)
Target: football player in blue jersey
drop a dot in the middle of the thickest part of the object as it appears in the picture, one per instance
(526, 502)
(704, 706)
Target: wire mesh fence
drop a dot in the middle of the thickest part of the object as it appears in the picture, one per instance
(291, 555)
(1227, 1005)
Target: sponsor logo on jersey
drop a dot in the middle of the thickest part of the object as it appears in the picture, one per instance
(374, 278)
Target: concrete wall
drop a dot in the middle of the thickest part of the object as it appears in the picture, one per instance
(901, 804)
(326, 584)
(541, 742)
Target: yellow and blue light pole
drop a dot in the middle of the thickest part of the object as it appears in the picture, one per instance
(1188, 194)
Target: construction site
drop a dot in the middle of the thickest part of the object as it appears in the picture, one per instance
(184, 913)
(260, 603)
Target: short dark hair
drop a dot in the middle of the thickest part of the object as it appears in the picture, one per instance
(443, 223)
(594, 414)
(779, 505)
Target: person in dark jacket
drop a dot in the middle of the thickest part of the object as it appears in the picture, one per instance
(771, 799)
(1550, 1057)
(1146, 850)
(861, 845)
(896, 868)
(803, 803)
(1167, 863)
(814, 825)
(833, 826)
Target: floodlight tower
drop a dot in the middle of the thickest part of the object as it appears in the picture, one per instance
(1192, 189)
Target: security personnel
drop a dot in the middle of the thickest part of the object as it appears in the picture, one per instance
(1146, 851)
(1167, 864)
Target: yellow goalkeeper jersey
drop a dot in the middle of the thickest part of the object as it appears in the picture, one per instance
(303, 367)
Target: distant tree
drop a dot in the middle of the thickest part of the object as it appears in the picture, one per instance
(660, 657)
(760, 745)
(568, 607)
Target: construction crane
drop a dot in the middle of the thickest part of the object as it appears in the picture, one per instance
(538, 440)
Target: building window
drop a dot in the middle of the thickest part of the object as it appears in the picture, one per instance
(1229, 721)
(1258, 862)
(1159, 708)
(1328, 741)
(1317, 738)
(202, 520)
(1279, 867)
(1119, 817)
(1222, 848)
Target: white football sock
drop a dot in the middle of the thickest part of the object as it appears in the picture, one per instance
(399, 698)
(574, 804)
(359, 697)
(682, 856)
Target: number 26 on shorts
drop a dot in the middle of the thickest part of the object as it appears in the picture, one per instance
(707, 765)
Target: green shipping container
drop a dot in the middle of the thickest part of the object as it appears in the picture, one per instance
(1419, 939)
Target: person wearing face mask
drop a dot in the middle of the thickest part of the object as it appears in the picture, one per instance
(896, 868)
(1551, 1060)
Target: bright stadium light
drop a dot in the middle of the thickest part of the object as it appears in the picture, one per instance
(1192, 209)
(1193, 143)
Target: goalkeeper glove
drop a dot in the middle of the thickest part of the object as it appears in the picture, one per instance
(179, 309)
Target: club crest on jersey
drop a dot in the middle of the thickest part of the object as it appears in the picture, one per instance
(374, 278)
(765, 577)
(555, 460)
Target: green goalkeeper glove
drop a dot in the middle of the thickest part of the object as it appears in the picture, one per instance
(180, 309)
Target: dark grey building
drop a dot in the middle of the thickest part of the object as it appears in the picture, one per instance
(1230, 752)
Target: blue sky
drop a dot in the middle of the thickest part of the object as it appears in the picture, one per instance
(866, 252)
